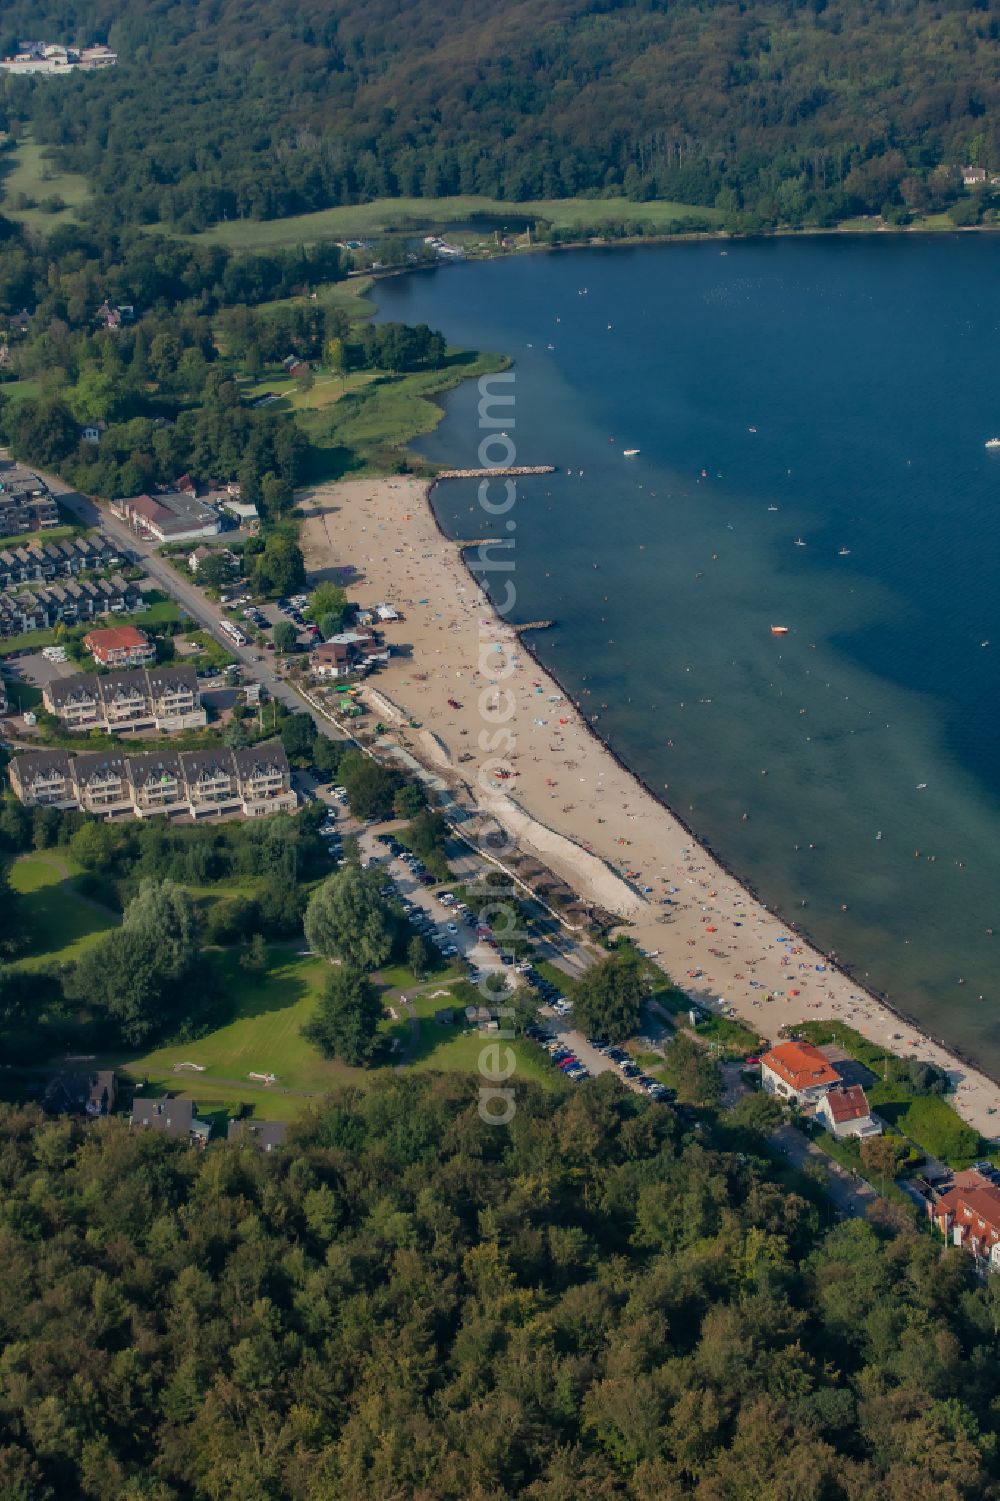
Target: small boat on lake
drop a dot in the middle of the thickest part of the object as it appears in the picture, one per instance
(993, 443)
(630, 453)
(779, 630)
(799, 542)
(845, 552)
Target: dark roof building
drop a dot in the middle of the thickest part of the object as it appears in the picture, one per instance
(266, 1136)
(88, 1093)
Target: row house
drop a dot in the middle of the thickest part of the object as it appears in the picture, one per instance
(198, 784)
(155, 698)
(41, 562)
(76, 600)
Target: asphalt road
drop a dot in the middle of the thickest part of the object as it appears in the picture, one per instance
(200, 608)
(852, 1196)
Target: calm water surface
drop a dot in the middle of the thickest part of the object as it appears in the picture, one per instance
(834, 391)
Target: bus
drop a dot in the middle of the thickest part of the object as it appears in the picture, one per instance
(234, 633)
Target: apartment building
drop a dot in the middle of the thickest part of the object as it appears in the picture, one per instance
(250, 783)
(120, 646)
(25, 502)
(167, 699)
(70, 602)
(44, 779)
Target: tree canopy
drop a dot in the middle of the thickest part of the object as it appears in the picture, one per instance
(586, 1305)
(347, 918)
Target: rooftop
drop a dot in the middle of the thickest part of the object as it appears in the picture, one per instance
(801, 1065)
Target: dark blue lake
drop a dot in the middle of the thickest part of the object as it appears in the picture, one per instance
(833, 391)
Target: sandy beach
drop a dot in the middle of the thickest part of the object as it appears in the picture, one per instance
(479, 694)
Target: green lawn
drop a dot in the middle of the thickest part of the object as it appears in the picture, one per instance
(61, 924)
(28, 171)
(163, 612)
(55, 533)
(929, 1121)
(367, 430)
(29, 641)
(264, 1038)
(388, 214)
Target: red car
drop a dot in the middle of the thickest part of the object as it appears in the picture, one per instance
(453, 703)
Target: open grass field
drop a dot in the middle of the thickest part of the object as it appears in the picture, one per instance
(265, 1036)
(386, 215)
(60, 922)
(27, 173)
(368, 429)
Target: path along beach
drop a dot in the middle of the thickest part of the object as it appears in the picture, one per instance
(567, 800)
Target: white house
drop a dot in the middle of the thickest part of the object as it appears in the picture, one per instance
(845, 1111)
(797, 1071)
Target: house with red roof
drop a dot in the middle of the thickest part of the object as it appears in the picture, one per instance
(968, 1215)
(845, 1111)
(797, 1071)
(120, 646)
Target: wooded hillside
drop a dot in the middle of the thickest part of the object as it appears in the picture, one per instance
(779, 110)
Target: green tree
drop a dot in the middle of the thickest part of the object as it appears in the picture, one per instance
(95, 844)
(347, 918)
(370, 786)
(280, 568)
(608, 1001)
(418, 956)
(217, 570)
(346, 1022)
(327, 605)
(409, 800)
(298, 736)
(692, 1071)
(253, 961)
(284, 636)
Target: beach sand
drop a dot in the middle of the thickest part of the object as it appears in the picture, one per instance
(567, 801)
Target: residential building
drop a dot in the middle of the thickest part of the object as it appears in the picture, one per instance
(199, 555)
(157, 698)
(264, 780)
(266, 1136)
(71, 602)
(170, 1117)
(967, 1212)
(198, 784)
(158, 784)
(171, 517)
(102, 783)
(71, 1093)
(797, 1071)
(331, 660)
(76, 701)
(125, 702)
(974, 177)
(120, 646)
(175, 698)
(354, 651)
(845, 1111)
(211, 782)
(91, 432)
(43, 779)
(25, 502)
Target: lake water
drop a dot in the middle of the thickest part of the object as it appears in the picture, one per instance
(833, 390)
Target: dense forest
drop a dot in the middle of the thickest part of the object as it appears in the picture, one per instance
(590, 1304)
(777, 110)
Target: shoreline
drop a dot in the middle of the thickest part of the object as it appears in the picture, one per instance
(770, 973)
